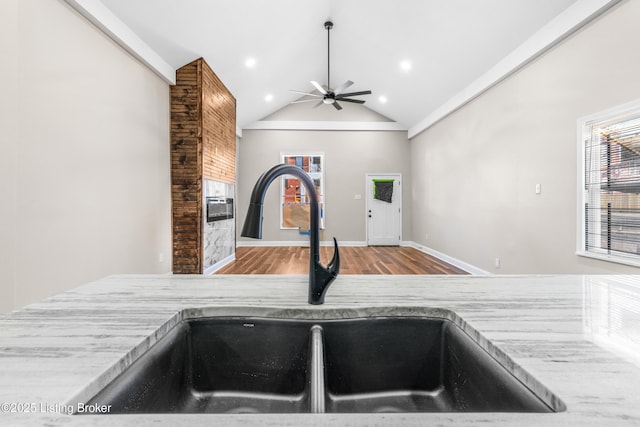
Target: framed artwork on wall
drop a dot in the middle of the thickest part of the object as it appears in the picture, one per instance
(294, 199)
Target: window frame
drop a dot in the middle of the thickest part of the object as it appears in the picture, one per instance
(585, 126)
(314, 175)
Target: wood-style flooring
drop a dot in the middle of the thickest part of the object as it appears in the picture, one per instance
(353, 260)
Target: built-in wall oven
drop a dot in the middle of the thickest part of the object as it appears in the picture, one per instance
(219, 208)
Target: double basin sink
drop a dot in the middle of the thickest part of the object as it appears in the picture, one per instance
(358, 365)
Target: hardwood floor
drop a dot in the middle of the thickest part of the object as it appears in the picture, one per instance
(354, 260)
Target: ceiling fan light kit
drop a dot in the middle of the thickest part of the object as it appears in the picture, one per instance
(330, 96)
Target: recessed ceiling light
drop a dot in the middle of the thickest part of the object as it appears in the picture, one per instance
(383, 99)
(250, 62)
(268, 98)
(405, 65)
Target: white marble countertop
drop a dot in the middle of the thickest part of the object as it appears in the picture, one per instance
(579, 336)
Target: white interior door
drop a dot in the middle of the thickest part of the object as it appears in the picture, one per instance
(384, 220)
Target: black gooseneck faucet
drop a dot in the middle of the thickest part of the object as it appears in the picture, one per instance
(319, 277)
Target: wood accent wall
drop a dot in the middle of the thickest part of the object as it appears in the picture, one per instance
(219, 140)
(203, 145)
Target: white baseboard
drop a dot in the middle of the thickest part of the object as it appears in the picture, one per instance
(472, 269)
(247, 243)
(218, 265)
(344, 243)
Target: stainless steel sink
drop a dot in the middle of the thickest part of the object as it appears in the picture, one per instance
(260, 365)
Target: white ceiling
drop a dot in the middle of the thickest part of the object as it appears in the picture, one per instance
(450, 43)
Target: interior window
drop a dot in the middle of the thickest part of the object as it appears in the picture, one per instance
(295, 205)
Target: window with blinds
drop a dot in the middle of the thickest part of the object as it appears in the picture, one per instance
(611, 193)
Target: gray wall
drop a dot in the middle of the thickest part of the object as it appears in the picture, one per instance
(84, 170)
(474, 173)
(349, 155)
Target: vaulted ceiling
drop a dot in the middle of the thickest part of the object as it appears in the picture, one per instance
(417, 54)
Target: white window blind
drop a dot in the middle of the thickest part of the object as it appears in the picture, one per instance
(611, 200)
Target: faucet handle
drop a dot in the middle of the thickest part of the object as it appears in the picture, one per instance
(334, 265)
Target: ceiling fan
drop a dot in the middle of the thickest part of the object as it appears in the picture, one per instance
(331, 96)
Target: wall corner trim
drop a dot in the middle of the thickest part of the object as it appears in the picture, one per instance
(100, 16)
(562, 26)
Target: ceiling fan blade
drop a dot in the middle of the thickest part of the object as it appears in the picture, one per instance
(344, 87)
(364, 92)
(336, 106)
(320, 88)
(318, 104)
(303, 100)
(305, 93)
(355, 101)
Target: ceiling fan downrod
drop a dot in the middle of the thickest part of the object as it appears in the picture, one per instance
(328, 26)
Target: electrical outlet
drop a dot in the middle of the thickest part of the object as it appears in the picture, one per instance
(160, 257)
(497, 262)
(426, 236)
